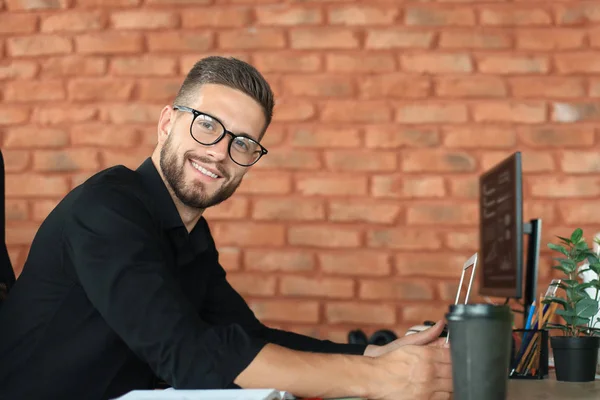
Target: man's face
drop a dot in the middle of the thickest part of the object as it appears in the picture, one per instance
(203, 176)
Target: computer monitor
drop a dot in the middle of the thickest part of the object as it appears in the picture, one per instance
(501, 235)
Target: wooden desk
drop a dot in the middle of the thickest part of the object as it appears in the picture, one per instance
(551, 389)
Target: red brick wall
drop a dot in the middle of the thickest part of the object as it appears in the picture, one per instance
(366, 205)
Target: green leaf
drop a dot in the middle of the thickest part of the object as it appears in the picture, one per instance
(576, 235)
(586, 308)
(564, 239)
(555, 299)
(582, 246)
(566, 313)
(559, 248)
(556, 326)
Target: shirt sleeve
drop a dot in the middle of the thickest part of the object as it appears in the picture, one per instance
(224, 305)
(117, 250)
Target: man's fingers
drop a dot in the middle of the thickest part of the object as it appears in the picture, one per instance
(443, 371)
(440, 342)
(426, 336)
(442, 385)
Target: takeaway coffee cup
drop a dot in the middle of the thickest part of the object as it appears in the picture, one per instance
(480, 347)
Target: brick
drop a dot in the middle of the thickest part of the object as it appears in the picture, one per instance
(16, 160)
(178, 41)
(355, 111)
(291, 159)
(578, 13)
(436, 63)
(301, 286)
(100, 89)
(395, 38)
(545, 211)
(217, 17)
(346, 160)
(27, 91)
(287, 62)
(557, 136)
(318, 136)
(131, 113)
(182, 2)
(431, 113)
(362, 15)
(380, 314)
(286, 15)
(421, 16)
(188, 61)
(146, 65)
(73, 65)
(479, 137)
(158, 88)
(437, 161)
(17, 255)
(10, 115)
(288, 209)
(35, 136)
(395, 290)
(298, 110)
(38, 45)
(246, 39)
(377, 212)
(577, 62)
(594, 37)
(551, 39)
(103, 135)
(404, 239)
(360, 63)
(470, 87)
(416, 313)
(14, 23)
(73, 21)
(55, 115)
(36, 4)
(533, 161)
(442, 214)
(393, 136)
(131, 158)
(472, 39)
(317, 85)
(230, 258)
(509, 111)
(80, 177)
(564, 187)
(547, 87)
(107, 3)
(394, 85)
(65, 160)
(252, 285)
(41, 209)
(512, 16)
(329, 38)
(16, 210)
(323, 236)
(355, 263)
(17, 69)
(573, 112)
(580, 162)
(109, 43)
(21, 234)
(429, 265)
(233, 208)
(594, 88)
(286, 310)
(579, 213)
(513, 64)
(278, 260)
(407, 187)
(249, 233)
(35, 185)
(466, 187)
(266, 182)
(143, 19)
(331, 184)
(462, 240)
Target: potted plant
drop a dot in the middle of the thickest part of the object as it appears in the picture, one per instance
(576, 350)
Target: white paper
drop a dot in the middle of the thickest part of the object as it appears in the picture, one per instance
(225, 394)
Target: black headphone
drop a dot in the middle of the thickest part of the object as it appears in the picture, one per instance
(379, 338)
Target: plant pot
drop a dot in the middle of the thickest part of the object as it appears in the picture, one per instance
(575, 358)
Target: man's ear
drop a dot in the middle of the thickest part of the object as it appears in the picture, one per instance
(165, 123)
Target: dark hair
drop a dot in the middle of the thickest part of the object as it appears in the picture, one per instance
(233, 73)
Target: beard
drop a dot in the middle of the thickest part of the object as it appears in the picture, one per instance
(192, 195)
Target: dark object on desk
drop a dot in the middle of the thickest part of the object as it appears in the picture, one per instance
(379, 338)
(480, 343)
(575, 358)
(7, 275)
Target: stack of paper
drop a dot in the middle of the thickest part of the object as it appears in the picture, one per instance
(227, 394)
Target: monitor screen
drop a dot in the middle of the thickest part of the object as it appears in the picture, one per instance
(501, 229)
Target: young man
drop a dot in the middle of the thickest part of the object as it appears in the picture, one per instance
(123, 284)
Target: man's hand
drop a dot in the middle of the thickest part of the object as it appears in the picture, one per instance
(430, 336)
(413, 372)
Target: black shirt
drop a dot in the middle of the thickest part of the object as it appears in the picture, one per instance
(115, 293)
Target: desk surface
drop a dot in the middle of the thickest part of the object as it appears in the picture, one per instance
(551, 389)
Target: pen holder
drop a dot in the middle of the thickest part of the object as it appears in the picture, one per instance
(529, 358)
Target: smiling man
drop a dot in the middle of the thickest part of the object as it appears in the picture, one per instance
(123, 282)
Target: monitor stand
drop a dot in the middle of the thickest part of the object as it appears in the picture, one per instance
(534, 229)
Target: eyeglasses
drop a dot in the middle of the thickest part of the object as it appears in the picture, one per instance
(208, 130)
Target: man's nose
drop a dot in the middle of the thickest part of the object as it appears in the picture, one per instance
(218, 151)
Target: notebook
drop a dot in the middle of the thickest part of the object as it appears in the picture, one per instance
(224, 394)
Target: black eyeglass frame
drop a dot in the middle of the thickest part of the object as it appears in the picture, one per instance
(197, 113)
